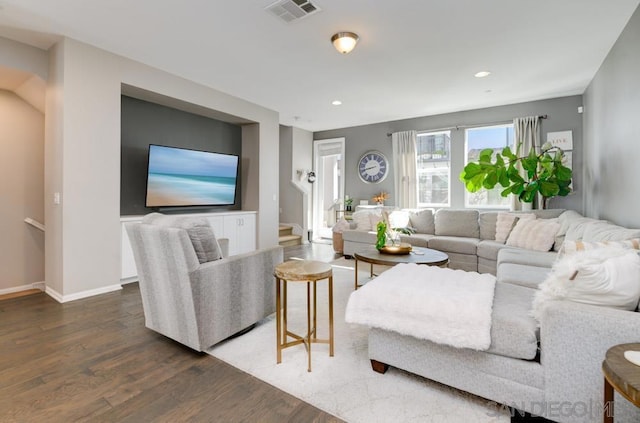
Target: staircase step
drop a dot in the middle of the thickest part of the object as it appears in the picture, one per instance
(285, 230)
(289, 240)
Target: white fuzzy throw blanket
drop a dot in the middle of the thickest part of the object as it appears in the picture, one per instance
(446, 306)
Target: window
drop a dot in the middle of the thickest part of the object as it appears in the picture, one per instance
(477, 139)
(433, 154)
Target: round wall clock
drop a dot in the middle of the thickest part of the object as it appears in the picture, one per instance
(373, 167)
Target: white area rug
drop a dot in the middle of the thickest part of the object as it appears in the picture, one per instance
(345, 385)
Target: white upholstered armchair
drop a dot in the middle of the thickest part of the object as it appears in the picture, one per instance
(199, 303)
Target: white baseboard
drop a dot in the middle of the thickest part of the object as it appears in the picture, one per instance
(130, 279)
(79, 295)
(35, 285)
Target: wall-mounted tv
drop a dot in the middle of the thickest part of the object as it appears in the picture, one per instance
(181, 177)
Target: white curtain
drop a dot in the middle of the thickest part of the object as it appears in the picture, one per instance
(527, 132)
(404, 169)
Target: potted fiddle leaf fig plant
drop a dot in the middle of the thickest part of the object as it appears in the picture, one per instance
(544, 173)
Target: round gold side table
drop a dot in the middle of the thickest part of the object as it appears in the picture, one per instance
(310, 272)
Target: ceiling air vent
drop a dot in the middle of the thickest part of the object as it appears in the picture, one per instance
(292, 10)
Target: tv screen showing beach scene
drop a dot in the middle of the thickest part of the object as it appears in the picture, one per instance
(181, 177)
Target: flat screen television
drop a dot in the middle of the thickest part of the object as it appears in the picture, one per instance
(181, 177)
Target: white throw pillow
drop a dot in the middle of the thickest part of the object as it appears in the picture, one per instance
(605, 276)
(571, 247)
(362, 220)
(398, 219)
(505, 223)
(534, 234)
(341, 226)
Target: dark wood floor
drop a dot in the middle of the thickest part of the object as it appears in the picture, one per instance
(93, 360)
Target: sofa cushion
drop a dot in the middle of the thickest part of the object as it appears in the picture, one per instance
(505, 222)
(490, 249)
(565, 220)
(604, 231)
(527, 257)
(360, 236)
(454, 244)
(366, 220)
(487, 223)
(423, 221)
(522, 274)
(417, 240)
(577, 226)
(200, 233)
(534, 234)
(572, 247)
(463, 223)
(514, 332)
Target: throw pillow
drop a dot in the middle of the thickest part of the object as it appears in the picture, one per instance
(398, 219)
(462, 223)
(200, 233)
(534, 234)
(374, 218)
(362, 220)
(571, 247)
(604, 277)
(423, 222)
(341, 226)
(506, 222)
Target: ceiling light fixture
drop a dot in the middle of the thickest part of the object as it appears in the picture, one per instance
(482, 74)
(344, 42)
(336, 102)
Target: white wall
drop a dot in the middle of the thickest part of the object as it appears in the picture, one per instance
(83, 161)
(21, 188)
(21, 56)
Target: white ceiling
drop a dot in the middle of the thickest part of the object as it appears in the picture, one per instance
(415, 57)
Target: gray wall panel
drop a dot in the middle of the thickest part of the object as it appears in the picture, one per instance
(612, 132)
(562, 115)
(145, 123)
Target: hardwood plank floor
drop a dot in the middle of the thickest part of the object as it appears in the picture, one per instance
(93, 360)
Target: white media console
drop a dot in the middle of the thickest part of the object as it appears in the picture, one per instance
(238, 226)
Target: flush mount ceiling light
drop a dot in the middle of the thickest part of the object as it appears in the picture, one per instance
(336, 102)
(482, 74)
(344, 42)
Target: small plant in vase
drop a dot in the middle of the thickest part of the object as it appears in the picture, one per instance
(348, 203)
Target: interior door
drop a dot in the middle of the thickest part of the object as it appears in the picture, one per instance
(328, 190)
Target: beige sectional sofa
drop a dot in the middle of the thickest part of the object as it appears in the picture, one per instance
(550, 368)
(467, 236)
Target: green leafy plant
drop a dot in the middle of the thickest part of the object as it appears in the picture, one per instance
(544, 173)
(348, 200)
(381, 240)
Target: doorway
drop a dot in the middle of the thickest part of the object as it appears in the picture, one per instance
(328, 190)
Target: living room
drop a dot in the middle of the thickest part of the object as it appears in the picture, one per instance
(80, 151)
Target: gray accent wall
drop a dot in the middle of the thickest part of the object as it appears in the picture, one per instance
(145, 123)
(612, 132)
(562, 116)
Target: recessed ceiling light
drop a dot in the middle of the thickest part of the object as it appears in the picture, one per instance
(482, 74)
(336, 102)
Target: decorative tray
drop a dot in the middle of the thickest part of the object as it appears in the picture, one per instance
(399, 249)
